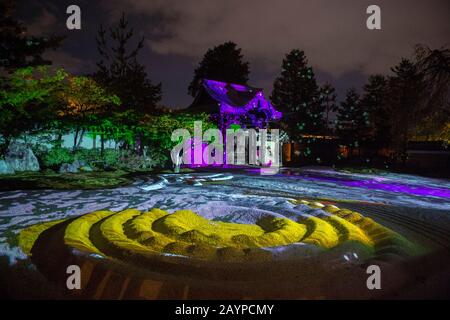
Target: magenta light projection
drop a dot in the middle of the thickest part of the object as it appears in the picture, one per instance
(380, 184)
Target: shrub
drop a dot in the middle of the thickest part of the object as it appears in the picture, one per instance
(111, 157)
(87, 155)
(56, 156)
(159, 157)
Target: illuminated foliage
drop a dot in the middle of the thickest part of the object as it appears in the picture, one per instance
(86, 102)
(158, 129)
(30, 100)
(84, 96)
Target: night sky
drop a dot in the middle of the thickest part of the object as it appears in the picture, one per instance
(333, 35)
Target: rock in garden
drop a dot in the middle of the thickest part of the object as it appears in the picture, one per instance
(20, 157)
(5, 168)
(68, 168)
(79, 163)
(86, 168)
(75, 167)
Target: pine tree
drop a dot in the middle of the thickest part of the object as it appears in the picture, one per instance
(404, 104)
(17, 49)
(120, 71)
(352, 120)
(373, 101)
(328, 99)
(222, 63)
(295, 92)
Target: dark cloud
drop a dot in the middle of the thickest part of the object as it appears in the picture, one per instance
(332, 33)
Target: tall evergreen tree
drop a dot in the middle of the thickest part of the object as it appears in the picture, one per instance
(17, 49)
(223, 63)
(403, 104)
(328, 99)
(352, 120)
(120, 71)
(373, 101)
(295, 92)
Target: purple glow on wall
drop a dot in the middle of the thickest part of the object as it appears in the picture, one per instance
(192, 142)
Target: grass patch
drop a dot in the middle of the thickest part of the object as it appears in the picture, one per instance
(65, 181)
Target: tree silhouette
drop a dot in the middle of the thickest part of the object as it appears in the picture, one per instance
(295, 92)
(434, 65)
(373, 101)
(120, 71)
(404, 104)
(17, 49)
(328, 98)
(223, 63)
(352, 121)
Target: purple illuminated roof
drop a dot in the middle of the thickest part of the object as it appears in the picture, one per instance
(234, 103)
(229, 93)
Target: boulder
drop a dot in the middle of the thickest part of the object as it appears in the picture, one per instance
(20, 157)
(68, 168)
(86, 168)
(74, 167)
(79, 163)
(5, 168)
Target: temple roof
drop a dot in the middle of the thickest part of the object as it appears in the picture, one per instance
(215, 93)
(235, 95)
(230, 103)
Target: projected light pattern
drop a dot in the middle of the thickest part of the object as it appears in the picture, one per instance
(185, 233)
(416, 190)
(378, 183)
(237, 198)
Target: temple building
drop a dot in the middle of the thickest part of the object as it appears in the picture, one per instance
(243, 106)
(229, 103)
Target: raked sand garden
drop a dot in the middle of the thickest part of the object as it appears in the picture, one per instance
(240, 231)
